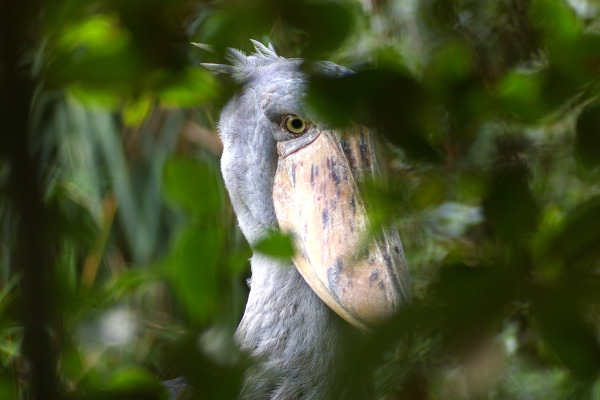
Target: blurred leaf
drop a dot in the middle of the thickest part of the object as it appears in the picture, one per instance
(96, 52)
(98, 35)
(572, 339)
(321, 26)
(130, 377)
(556, 20)
(136, 111)
(549, 266)
(277, 245)
(430, 192)
(382, 201)
(438, 15)
(471, 301)
(391, 100)
(189, 88)
(587, 137)
(197, 252)
(510, 207)
(130, 384)
(577, 243)
(72, 361)
(192, 269)
(156, 29)
(127, 283)
(559, 88)
(573, 52)
(209, 378)
(238, 261)
(449, 64)
(579, 60)
(326, 23)
(520, 94)
(96, 97)
(235, 19)
(10, 347)
(6, 388)
(192, 185)
(451, 78)
(7, 293)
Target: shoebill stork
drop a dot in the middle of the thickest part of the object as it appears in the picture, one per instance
(285, 169)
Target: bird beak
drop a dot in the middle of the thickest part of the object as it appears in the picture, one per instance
(359, 274)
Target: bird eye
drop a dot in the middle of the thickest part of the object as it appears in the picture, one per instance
(294, 124)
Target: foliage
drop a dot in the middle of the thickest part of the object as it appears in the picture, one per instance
(120, 261)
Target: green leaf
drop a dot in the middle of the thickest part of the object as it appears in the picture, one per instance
(189, 88)
(520, 93)
(277, 245)
(136, 111)
(556, 20)
(99, 34)
(510, 207)
(430, 192)
(577, 243)
(192, 185)
(449, 65)
(6, 388)
(391, 100)
(128, 283)
(587, 137)
(133, 383)
(317, 27)
(93, 97)
(325, 23)
(566, 331)
(239, 19)
(192, 269)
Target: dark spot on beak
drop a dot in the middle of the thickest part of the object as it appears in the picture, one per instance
(325, 218)
(364, 150)
(333, 276)
(335, 174)
(387, 258)
(312, 175)
(348, 152)
(294, 174)
(373, 277)
(353, 205)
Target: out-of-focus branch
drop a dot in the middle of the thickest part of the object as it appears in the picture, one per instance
(202, 137)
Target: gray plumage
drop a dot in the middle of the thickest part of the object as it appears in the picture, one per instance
(300, 346)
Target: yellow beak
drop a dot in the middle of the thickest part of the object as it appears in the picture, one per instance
(362, 277)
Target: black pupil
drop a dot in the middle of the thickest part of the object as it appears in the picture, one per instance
(297, 123)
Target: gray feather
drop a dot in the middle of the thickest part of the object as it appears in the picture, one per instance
(219, 68)
(203, 46)
(268, 52)
(301, 348)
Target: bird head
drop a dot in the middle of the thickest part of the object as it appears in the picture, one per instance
(286, 169)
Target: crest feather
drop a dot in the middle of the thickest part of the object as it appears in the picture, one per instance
(219, 68)
(242, 65)
(237, 57)
(263, 50)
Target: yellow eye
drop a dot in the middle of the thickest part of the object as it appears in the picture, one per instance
(294, 124)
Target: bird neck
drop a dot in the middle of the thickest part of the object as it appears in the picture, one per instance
(301, 349)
